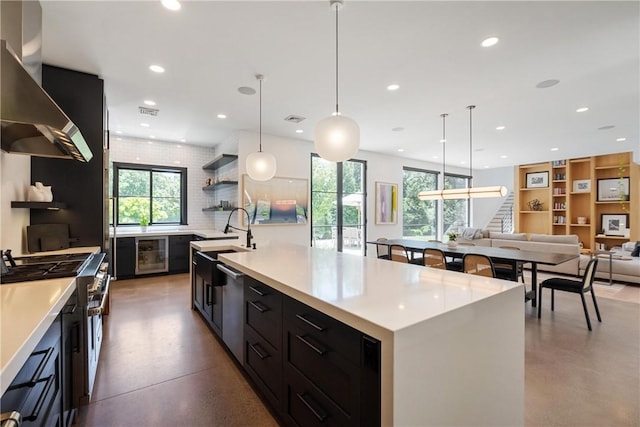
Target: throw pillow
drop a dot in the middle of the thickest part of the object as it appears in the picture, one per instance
(636, 250)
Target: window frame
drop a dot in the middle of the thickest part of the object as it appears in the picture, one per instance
(437, 176)
(117, 166)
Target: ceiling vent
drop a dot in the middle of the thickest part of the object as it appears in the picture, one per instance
(294, 119)
(148, 111)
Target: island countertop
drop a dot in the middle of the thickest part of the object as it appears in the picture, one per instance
(452, 344)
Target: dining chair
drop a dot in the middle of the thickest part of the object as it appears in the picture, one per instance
(399, 253)
(574, 286)
(382, 248)
(434, 258)
(480, 265)
(456, 262)
(505, 271)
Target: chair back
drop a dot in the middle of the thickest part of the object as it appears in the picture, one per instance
(399, 253)
(479, 265)
(383, 249)
(507, 266)
(589, 274)
(434, 258)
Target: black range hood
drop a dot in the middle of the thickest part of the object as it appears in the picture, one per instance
(31, 121)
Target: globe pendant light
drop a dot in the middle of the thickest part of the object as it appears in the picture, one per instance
(261, 166)
(337, 138)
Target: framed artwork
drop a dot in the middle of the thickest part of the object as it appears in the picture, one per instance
(386, 203)
(613, 189)
(279, 201)
(537, 179)
(581, 185)
(614, 224)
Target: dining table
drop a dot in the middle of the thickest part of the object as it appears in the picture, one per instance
(497, 255)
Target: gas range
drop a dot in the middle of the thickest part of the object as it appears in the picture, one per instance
(44, 267)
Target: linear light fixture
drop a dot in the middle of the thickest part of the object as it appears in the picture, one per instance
(470, 192)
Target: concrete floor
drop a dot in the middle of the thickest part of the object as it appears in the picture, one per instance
(161, 366)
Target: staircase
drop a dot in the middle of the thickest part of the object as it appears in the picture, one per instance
(502, 221)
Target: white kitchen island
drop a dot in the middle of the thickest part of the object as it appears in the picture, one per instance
(452, 344)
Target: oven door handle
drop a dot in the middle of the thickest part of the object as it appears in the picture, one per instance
(102, 309)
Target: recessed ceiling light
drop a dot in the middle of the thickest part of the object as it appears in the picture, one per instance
(222, 116)
(177, 162)
(393, 87)
(144, 125)
(137, 158)
(119, 132)
(582, 109)
(179, 146)
(547, 83)
(503, 156)
(443, 140)
(499, 127)
(554, 149)
(149, 102)
(463, 162)
(607, 127)
(149, 142)
(398, 129)
(621, 139)
(245, 90)
(183, 140)
(486, 166)
(400, 150)
(299, 131)
(490, 41)
(171, 4)
(434, 157)
(152, 136)
(156, 68)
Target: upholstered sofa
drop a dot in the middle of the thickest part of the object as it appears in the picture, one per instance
(624, 267)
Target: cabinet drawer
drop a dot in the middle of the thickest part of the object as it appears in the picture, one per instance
(334, 334)
(264, 364)
(264, 311)
(306, 406)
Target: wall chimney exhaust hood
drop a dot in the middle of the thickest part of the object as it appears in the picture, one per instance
(31, 122)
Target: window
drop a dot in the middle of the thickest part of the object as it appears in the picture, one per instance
(155, 193)
(419, 218)
(338, 202)
(456, 211)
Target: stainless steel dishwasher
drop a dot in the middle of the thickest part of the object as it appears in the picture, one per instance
(232, 311)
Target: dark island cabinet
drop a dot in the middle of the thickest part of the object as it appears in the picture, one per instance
(179, 253)
(36, 392)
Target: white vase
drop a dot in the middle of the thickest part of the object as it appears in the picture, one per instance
(452, 243)
(40, 193)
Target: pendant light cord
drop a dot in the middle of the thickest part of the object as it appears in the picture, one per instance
(444, 142)
(260, 121)
(470, 107)
(337, 110)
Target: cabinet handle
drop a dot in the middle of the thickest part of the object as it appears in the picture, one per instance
(309, 322)
(36, 375)
(257, 291)
(315, 348)
(260, 307)
(255, 348)
(75, 342)
(207, 296)
(318, 412)
(41, 399)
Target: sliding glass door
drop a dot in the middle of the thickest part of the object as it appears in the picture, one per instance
(338, 205)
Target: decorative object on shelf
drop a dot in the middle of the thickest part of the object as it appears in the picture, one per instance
(452, 239)
(614, 224)
(582, 220)
(337, 137)
(613, 189)
(535, 205)
(279, 201)
(39, 193)
(559, 163)
(261, 166)
(386, 203)
(581, 185)
(208, 181)
(623, 195)
(469, 192)
(537, 180)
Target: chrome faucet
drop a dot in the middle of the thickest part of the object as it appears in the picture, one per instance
(248, 230)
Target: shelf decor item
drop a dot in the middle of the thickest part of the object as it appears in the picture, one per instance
(386, 203)
(614, 224)
(535, 205)
(613, 189)
(537, 180)
(581, 185)
(40, 193)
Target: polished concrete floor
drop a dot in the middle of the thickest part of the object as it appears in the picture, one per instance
(161, 366)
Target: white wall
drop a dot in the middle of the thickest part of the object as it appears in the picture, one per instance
(15, 171)
(484, 209)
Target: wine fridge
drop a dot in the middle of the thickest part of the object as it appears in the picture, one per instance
(152, 254)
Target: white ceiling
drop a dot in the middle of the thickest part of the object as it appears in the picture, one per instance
(431, 49)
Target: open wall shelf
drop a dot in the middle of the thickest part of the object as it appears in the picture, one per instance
(39, 205)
